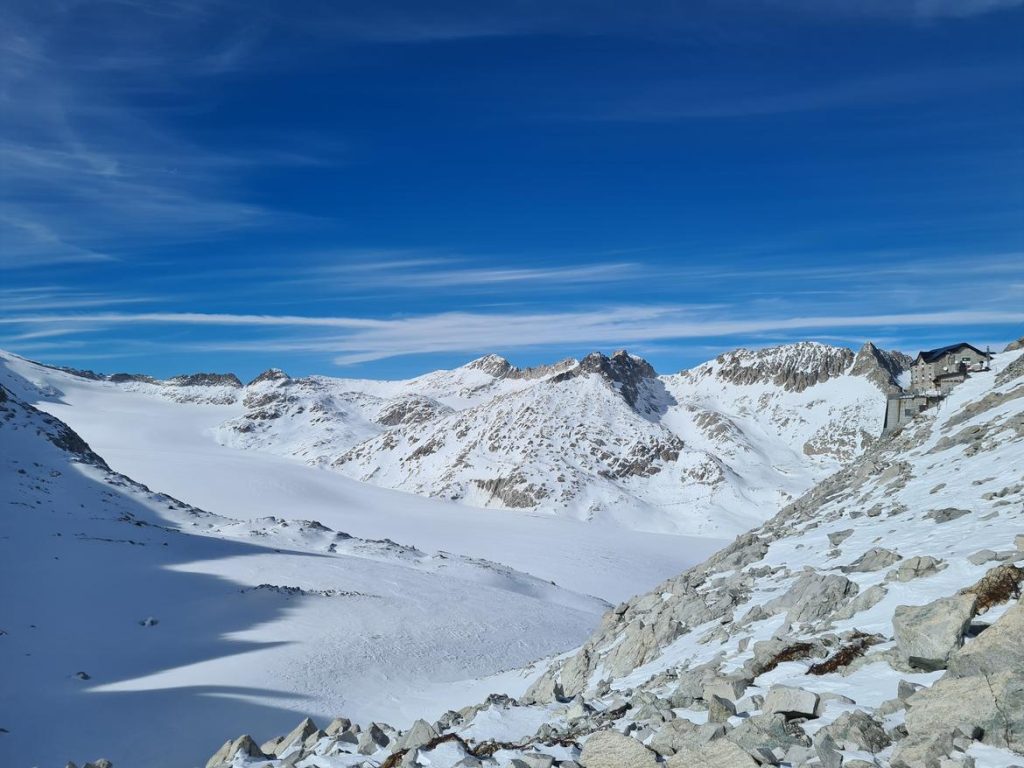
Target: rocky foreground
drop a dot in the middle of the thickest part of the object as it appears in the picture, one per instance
(876, 621)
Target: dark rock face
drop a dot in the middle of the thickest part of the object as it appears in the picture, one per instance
(514, 491)
(411, 410)
(881, 367)
(271, 374)
(623, 371)
(794, 367)
(495, 365)
(123, 378)
(205, 380)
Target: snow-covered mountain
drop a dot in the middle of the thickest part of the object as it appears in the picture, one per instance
(130, 620)
(874, 622)
(709, 451)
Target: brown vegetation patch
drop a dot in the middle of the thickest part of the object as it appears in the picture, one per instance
(794, 652)
(858, 646)
(998, 586)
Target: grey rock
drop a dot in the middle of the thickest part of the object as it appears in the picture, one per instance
(926, 635)
(982, 556)
(536, 761)
(792, 702)
(905, 689)
(992, 704)
(372, 739)
(922, 751)
(296, 737)
(828, 752)
(419, 734)
(338, 725)
(858, 730)
(716, 754)
(838, 537)
(867, 599)
(875, 559)
(999, 647)
(813, 596)
(243, 745)
(720, 710)
(270, 747)
(610, 749)
(730, 687)
(947, 514)
(767, 731)
(915, 568)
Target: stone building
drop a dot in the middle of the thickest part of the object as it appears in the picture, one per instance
(933, 374)
(939, 370)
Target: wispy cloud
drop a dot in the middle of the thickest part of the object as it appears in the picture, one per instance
(366, 340)
(454, 272)
(88, 169)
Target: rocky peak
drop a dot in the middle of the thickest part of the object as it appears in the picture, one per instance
(622, 370)
(880, 366)
(495, 365)
(123, 378)
(794, 367)
(205, 380)
(271, 374)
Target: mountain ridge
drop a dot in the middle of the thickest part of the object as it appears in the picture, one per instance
(869, 623)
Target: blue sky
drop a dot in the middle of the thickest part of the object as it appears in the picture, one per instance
(384, 190)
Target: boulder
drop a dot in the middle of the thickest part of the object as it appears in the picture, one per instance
(544, 690)
(999, 647)
(372, 739)
(813, 596)
(772, 732)
(875, 559)
(859, 731)
(243, 745)
(296, 737)
(838, 537)
(990, 706)
(720, 710)
(869, 598)
(716, 754)
(792, 702)
(922, 751)
(338, 725)
(419, 734)
(681, 733)
(927, 635)
(947, 514)
(610, 749)
(730, 687)
(828, 751)
(915, 568)
(533, 761)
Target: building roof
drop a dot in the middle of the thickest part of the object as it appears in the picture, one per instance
(931, 355)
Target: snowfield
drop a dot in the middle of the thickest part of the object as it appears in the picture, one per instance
(259, 614)
(390, 551)
(876, 621)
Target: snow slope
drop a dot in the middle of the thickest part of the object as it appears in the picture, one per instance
(255, 619)
(931, 516)
(171, 445)
(710, 451)
(706, 452)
